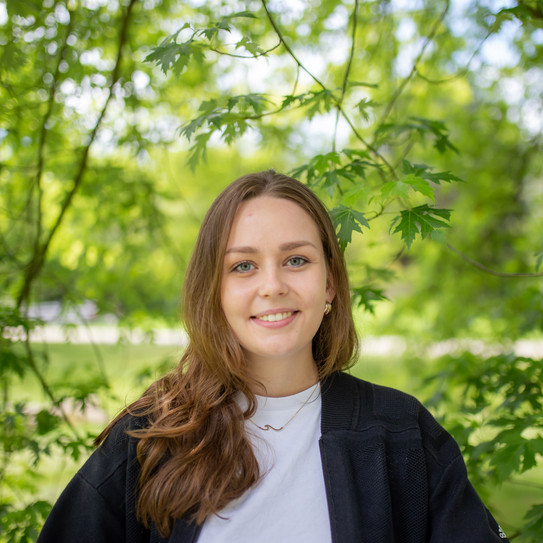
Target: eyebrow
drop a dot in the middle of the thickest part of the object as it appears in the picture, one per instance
(289, 246)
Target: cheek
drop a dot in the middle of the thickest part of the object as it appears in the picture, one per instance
(231, 296)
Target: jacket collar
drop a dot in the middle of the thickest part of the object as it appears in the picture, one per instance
(341, 401)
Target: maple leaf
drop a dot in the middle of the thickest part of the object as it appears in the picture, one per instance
(170, 54)
(419, 184)
(188, 129)
(424, 171)
(290, 99)
(363, 105)
(199, 149)
(249, 45)
(347, 220)
(367, 296)
(392, 189)
(423, 220)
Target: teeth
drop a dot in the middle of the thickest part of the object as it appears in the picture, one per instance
(275, 317)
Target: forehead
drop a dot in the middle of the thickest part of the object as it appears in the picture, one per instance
(269, 219)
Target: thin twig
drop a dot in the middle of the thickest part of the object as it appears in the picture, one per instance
(525, 483)
(487, 269)
(45, 386)
(95, 348)
(357, 134)
(287, 47)
(460, 73)
(263, 53)
(347, 70)
(411, 74)
(297, 78)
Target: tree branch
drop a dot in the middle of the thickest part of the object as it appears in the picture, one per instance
(287, 47)
(45, 386)
(411, 74)
(460, 73)
(347, 70)
(219, 52)
(38, 259)
(486, 269)
(357, 134)
(44, 132)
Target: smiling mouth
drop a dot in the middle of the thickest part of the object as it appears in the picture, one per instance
(274, 317)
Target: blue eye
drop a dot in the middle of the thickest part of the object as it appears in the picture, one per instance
(244, 267)
(297, 261)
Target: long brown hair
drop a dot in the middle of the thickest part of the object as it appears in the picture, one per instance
(194, 454)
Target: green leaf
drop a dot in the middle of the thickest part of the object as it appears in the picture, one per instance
(315, 101)
(534, 522)
(424, 171)
(234, 129)
(363, 106)
(423, 220)
(46, 422)
(419, 184)
(199, 150)
(360, 191)
(291, 99)
(255, 101)
(393, 189)
(317, 167)
(250, 46)
(408, 227)
(191, 127)
(539, 260)
(366, 297)
(347, 220)
(12, 362)
(437, 129)
(170, 55)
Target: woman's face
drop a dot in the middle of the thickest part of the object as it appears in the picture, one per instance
(274, 285)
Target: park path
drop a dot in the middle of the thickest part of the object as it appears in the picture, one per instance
(370, 345)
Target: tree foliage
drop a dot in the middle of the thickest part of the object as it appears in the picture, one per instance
(414, 122)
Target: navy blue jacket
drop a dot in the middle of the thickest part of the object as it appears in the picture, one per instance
(392, 475)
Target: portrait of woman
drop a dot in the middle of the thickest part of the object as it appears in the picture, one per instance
(260, 434)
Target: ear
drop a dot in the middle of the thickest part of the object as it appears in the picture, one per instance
(330, 288)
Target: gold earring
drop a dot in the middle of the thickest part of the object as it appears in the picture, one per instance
(327, 308)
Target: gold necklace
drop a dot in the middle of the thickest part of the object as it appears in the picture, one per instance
(270, 427)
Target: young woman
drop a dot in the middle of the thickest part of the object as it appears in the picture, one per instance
(258, 435)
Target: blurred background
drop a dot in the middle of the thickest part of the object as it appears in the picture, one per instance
(418, 122)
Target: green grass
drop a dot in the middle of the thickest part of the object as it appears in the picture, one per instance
(126, 368)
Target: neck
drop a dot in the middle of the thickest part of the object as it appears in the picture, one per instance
(280, 377)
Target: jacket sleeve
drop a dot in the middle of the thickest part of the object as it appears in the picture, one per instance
(93, 507)
(456, 511)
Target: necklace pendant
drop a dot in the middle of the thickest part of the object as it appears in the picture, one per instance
(270, 427)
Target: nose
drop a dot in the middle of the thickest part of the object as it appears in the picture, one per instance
(272, 282)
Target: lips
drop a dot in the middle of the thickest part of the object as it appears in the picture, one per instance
(275, 317)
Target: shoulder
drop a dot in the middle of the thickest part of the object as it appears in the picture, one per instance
(99, 502)
(353, 404)
(112, 458)
(356, 401)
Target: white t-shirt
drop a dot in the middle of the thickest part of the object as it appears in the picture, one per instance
(289, 503)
